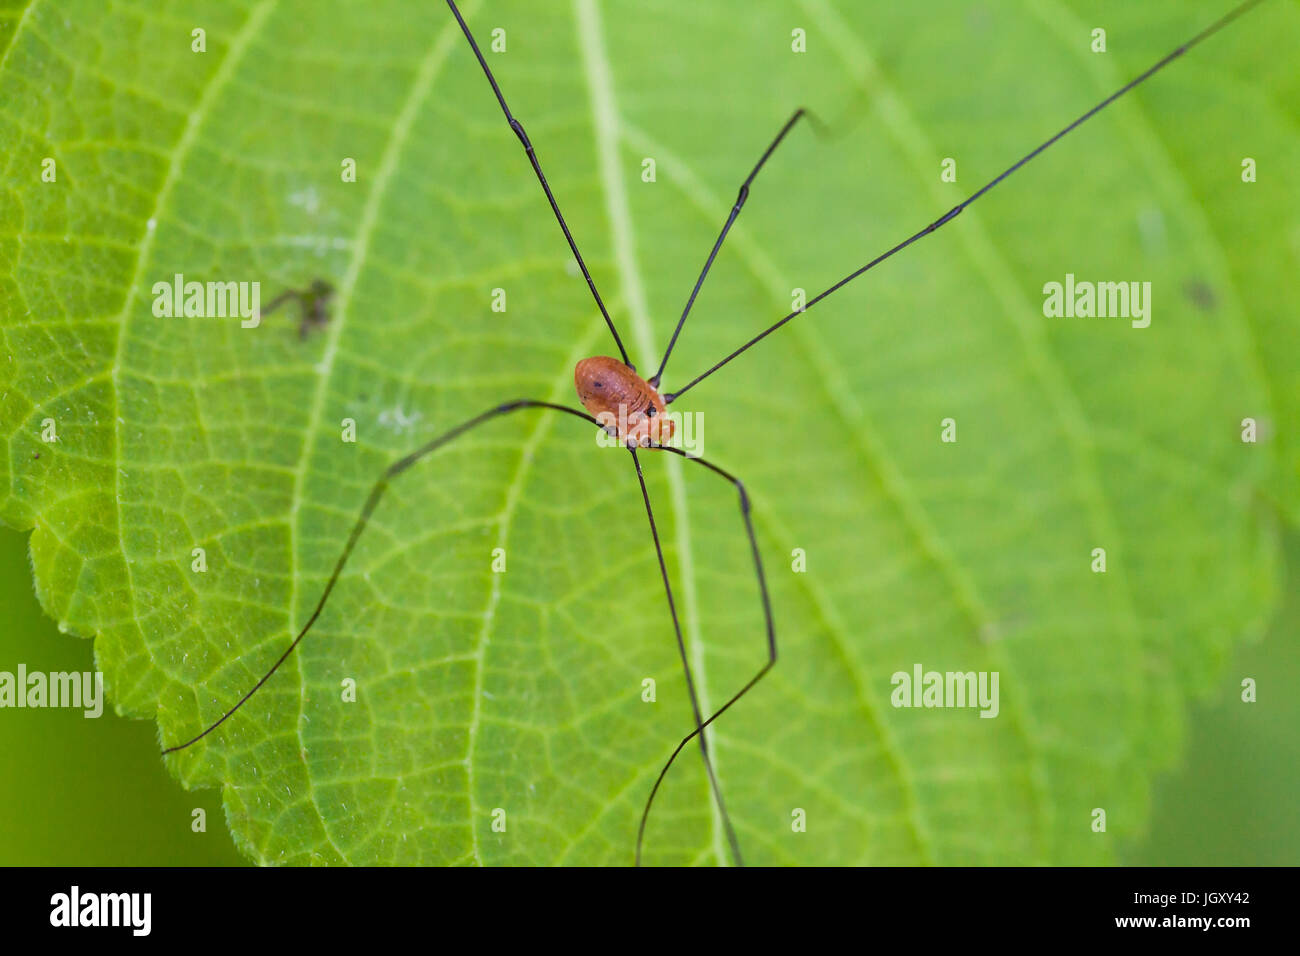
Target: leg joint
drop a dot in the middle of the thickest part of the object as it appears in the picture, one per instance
(518, 127)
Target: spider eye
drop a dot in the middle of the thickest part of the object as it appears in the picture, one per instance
(651, 412)
(599, 384)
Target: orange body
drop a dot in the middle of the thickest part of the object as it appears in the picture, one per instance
(622, 401)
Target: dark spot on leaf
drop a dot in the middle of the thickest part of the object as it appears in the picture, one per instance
(1200, 294)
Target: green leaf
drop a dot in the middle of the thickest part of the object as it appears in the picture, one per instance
(522, 690)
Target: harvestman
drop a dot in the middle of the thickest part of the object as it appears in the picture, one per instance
(624, 404)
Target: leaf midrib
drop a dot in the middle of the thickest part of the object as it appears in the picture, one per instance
(606, 122)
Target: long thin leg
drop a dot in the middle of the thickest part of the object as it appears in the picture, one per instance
(726, 227)
(952, 213)
(690, 683)
(518, 127)
(377, 492)
(767, 619)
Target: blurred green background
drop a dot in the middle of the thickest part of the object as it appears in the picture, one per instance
(78, 791)
(94, 792)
